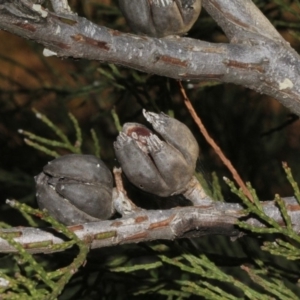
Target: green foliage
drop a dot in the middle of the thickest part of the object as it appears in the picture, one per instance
(200, 276)
(41, 142)
(288, 243)
(33, 280)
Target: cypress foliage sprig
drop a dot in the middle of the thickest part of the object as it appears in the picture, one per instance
(41, 143)
(53, 281)
(290, 249)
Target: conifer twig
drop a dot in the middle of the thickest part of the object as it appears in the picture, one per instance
(213, 144)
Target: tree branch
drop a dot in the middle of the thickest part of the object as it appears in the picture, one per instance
(257, 56)
(147, 225)
(241, 21)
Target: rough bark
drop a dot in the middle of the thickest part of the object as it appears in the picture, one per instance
(256, 56)
(148, 225)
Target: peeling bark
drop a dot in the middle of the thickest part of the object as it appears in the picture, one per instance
(148, 225)
(257, 57)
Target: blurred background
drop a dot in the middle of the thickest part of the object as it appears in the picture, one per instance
(255, 131)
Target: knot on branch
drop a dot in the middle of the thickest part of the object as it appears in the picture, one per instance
(192, 223)
(25, 9)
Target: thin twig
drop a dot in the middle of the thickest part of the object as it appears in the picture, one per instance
(122, 204)
(118, 180)
(217, 149)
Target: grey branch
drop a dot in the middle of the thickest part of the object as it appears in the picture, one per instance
(256, 56)
(147, 225)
